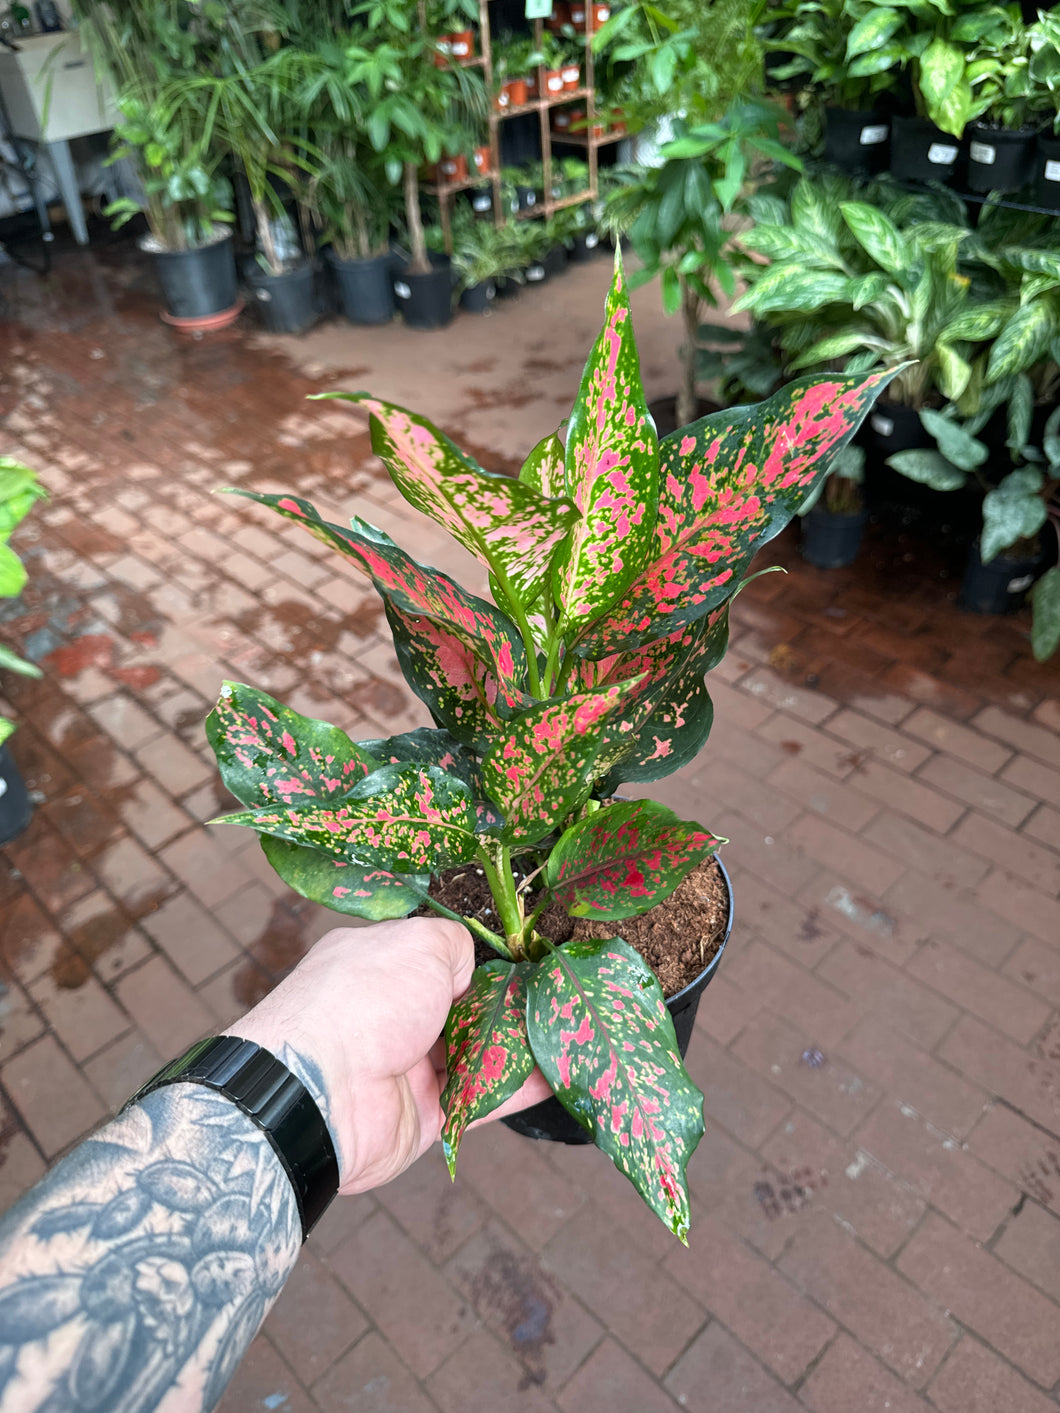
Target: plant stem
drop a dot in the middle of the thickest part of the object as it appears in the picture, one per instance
(685, 410)
(509, 904)
(419, 264)
(268, 245)
(490, 938)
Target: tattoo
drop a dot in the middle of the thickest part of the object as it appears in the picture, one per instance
(148, 1258)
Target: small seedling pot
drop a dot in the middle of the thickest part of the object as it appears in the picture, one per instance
(425, 300)
(549, 1120)
(577, 16)
(1047, 173)
(459, 45)
(831, 539)
(572, 76)
(365, 288)
(526, 198)
(857, 140)
(453, 169)
(481, 161)
(601, 15)
(517, 91)
(921, 152)
(16, 808)
(553, 82)
(287, 302)
(562, 119)
(999, 159)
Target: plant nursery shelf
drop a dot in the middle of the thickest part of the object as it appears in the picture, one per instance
(540, 105)
(582, 139)
(480, 179)
(546, 208)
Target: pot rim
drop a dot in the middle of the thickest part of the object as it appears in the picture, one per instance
(712, 965)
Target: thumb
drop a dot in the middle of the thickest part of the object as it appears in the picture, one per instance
(458, 952)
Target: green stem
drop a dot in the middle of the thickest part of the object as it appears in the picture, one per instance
(490, 938)
(509, 907)
(566, 666)
(512, 606)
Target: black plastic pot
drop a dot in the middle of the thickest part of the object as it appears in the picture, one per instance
(425, 301)
(921, 152)
(198, 284)
(892, 427)
(555, 261)
(1047, 173)
(583, 247)
(1001, 585)
(857, 139)
(506, 287)
(550, 1120)
(831, 540)
(16, 808)
(526, 198)
(287, 302)
(366, 290)
(476, 299)
(998, 159)
(536, 274)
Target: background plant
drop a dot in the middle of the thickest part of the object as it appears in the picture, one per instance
(19, 492)
(612, 559)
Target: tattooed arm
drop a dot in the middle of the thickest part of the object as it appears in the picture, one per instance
(133, 1277)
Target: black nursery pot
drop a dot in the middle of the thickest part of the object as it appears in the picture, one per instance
(891, 427)
(555, 261)
(857, 139)
(999, 160)
(1000, 586)
(287, 302)
(506, 287)
(831, 539)
(921, 152)
(425, 301)
(366, 289)
(476, 299)
(16, 808)
(199, 283)
(1047, 173)
(550, 1120)
(582, 247)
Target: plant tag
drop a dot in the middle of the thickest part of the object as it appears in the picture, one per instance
(875, 134)
(592, 240)
(3, 787)
(461, 49)
(402, 290)
(941, 154)
(264, 295)
(481, 201)
(555, 83)
(538, 9)
(535, 273)
(1052, 171)
(1016, 586)
(982, 152)
(882, 425)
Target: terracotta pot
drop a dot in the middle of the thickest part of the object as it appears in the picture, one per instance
(516, 90)
(458, 45)
(561, 119)
(572, 76)
(453, 168)
(503, 100)
(553, 82)
(531, 86)
(601, 15)
(481, 159)
(579, 17)
(559, 17)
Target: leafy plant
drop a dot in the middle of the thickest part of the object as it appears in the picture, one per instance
(613, 559)
(19, 492)
(1044, 40)
(483, 251)
(744, 364)
(833, 44)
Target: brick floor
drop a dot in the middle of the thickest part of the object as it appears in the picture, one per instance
(877, 1232)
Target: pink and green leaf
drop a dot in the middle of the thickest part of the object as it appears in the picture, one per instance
(543, 469)
(509, 525)
(728, 484)
(612, 472)
(600, 1031)
(269, 754)
(542, 764)
(624, 859)
(487, 1052)
(428, 746)
(405, 818)
(415, 590)
(356, 889)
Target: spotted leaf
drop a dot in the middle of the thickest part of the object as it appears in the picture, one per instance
(426, 746)
(623, 859)
(728, 484)
(269, 754)
(612, 471)
(541, 767)
(415, 590)
(509, 525)
(356, 889)
(487, 1053)
(407, 818)
(544, 470)
(601, 1033)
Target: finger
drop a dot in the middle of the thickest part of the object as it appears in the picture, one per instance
(458, 950)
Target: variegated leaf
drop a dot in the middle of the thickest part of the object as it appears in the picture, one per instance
(356, 889)
(508, 525)
(601, 1033)
(624, 858)
(541, 766)
(427, 746)
(415, 590)
(269, 754)
(612, 471)
(729, 483)
(543, 469)
(407, 818)
(487, 1053)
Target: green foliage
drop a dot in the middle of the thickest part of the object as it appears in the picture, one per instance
(612, 559)
(19, 492)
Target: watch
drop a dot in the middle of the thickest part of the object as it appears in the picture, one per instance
(274, 1099)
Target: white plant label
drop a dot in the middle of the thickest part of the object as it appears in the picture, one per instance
(402, 290)
(983, 153)
(555, 83)
(941, 154)
(881, 424)
(1052, 171)
(535, 273)
(592, 240)
(874, 135)
(1016, 586)
(3, 787)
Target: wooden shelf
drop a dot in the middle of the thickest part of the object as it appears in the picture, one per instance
(556, 203)
(584, 139)
(542, 105)
(449, 188)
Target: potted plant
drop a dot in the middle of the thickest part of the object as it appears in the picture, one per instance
(1045, 75)
(482, 254)
(833, 520)
(19, 491)
(586, 671)
(1008, 107)
(354, 205)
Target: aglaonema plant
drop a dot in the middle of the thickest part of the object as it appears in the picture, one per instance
(613, 559)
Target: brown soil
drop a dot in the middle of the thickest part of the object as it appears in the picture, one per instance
(677, 939)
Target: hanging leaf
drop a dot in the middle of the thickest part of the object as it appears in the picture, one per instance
(612, 469)
(1023, 340)
(729, 483)
(401, 817)
(624, 859)
(269, 754)
(1045, 597)
(487, 1053)
(1013, 510)
(541, 767)
(356, 889)
(601, 1033)
(508, 525)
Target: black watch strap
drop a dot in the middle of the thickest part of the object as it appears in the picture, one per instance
(277, 1101)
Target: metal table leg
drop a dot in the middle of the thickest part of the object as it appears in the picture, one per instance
(66, 176)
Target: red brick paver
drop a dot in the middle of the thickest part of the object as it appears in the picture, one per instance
(876, 1201)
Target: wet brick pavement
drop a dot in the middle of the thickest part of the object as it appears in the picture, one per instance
(877, 1198)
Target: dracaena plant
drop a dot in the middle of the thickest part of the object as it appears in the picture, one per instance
(613, 559)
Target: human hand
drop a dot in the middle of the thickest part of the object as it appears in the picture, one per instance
(366, 1006)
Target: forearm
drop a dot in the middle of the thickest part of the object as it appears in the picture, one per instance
(134, 1277)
